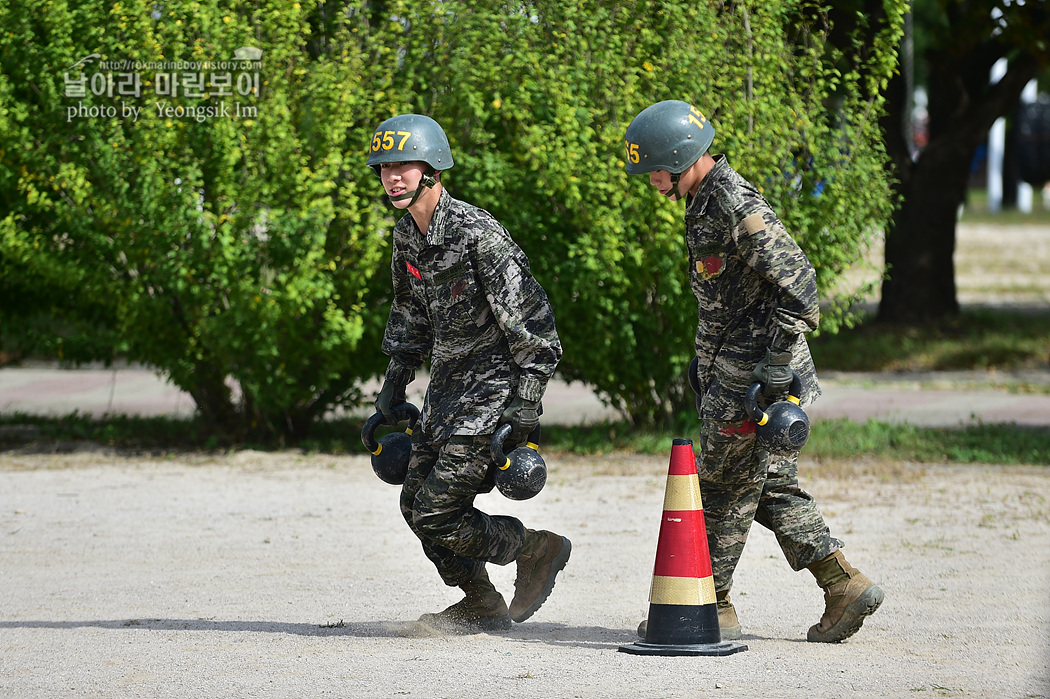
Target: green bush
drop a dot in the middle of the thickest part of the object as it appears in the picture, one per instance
(243, 255)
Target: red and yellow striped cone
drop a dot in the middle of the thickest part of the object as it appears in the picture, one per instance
(683, 611)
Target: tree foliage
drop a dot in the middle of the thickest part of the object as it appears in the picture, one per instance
(238, 254)
(538, 97)
(246, 256)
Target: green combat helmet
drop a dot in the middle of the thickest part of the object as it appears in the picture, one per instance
(669, 135)
(410, 138)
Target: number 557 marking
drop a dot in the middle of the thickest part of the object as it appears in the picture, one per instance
(384, 140)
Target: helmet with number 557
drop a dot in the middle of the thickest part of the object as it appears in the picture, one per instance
(410, 138)
(669, 135)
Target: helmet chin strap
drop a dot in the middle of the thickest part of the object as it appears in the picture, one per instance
(427, 181)
(674, 186)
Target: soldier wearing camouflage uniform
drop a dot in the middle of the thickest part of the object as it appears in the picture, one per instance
(757, 295)
(464, 298)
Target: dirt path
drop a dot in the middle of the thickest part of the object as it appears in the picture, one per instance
(283, 575)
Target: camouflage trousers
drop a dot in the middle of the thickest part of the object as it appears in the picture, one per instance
(741, 483)
(437, 501)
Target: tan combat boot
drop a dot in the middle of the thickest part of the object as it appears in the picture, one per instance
(483, 610)
(849, 597)
(728, 624)
(541, 559)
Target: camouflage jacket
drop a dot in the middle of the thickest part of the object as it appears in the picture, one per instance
(464, 298)
(754, 288)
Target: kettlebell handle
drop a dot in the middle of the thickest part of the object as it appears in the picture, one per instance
(691, 375)
(402, 411)
(755, 390)
(500, 436)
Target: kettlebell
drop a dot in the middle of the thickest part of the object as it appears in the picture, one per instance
(521, 474)
(694, 383)
(783, 428)
(391, 453)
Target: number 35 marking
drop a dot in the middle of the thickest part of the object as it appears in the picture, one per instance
(632, 151)
(384, 140)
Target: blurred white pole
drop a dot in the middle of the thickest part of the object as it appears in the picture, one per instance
(1024, 190)
(996, 145)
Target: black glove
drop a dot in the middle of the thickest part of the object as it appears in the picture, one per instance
(523, 417)
(390, 396)
(774, 373)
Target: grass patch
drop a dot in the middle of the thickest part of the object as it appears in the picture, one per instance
(162, 434)
(830, 439)
(974, 444)
(975, 210)
(979, 339)
(130, 432)
(840, 439)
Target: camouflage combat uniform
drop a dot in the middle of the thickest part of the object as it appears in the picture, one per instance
(755, 290)
(464, 298)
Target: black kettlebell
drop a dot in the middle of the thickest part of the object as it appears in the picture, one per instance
(694, 382)
(521, 474)
(782, 428)
(391, 453)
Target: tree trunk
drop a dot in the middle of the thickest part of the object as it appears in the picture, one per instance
(920, 242)
(919, 252)
(212, 396)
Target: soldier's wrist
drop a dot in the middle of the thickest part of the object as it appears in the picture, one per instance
(399, 374)
(531, 388)
(783, 342)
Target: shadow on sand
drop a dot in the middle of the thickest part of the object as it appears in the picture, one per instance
(555, 634)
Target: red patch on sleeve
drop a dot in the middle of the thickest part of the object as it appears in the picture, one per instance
(413, 271)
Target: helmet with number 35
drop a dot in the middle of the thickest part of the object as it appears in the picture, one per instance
(410, 138)
(669, 135)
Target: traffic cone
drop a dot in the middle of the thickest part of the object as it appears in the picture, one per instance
(683, 611)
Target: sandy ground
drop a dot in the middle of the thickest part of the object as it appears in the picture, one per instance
(289, 575)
